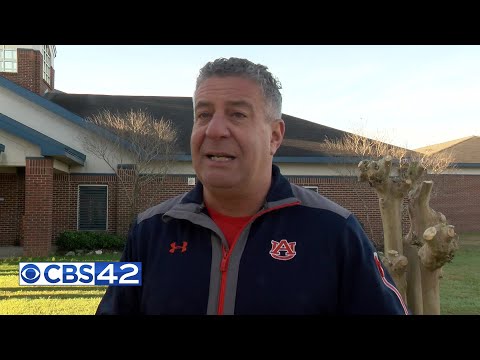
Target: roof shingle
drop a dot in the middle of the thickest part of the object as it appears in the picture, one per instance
(464, 150)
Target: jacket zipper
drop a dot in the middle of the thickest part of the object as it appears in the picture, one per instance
(223, 283)
(226, 255)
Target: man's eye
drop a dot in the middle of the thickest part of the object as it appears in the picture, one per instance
(239, 115)
(203, 116)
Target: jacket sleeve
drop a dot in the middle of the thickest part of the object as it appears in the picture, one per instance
(366, 286)
(122, 300)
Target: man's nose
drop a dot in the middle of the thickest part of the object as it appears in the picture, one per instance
(218, 126)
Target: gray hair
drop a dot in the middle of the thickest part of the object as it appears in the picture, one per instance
(269, 84)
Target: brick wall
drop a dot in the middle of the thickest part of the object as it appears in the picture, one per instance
(21, 205)
(11, 209)
(30, 72)
(158, 191)
(152, 193)
(65, 204)
(352, 195)
(456, 196)
(38, 219)
(66, 199)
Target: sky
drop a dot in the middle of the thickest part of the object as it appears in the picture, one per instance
(406, 95)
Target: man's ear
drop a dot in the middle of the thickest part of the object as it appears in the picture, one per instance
(278, 131)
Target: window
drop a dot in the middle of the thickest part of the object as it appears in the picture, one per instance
(47, 61)
(8, 59)
(313, 188)
(92, 207)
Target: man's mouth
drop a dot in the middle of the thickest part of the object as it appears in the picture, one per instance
(220, 157)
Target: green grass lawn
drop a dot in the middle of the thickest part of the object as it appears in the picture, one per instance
(48, 300)
(459, 287)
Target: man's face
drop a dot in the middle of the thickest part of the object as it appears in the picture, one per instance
(232, 142)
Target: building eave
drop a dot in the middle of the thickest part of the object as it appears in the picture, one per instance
(48, 146)
(299, 159)
(318, 159)
(464, 165)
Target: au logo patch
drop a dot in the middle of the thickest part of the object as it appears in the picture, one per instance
(283, 250)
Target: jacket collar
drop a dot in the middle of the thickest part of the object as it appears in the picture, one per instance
(280, 189)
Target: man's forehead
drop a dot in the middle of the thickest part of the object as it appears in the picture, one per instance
(226, 84)
(237, 103)
(230, 90)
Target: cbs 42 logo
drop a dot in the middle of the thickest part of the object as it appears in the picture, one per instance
(81, 273)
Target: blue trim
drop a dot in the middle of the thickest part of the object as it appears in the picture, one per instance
(93, 174)
(48, 146)
(182, 158)
(465, 165)
(320, 176)
(323, 160)
(2, 148)
(318, 159)
(112, 174)
(300, 159)
(345, 160)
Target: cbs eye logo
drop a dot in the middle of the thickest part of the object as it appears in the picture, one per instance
(30, 273)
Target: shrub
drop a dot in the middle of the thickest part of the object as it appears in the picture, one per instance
(89, 240)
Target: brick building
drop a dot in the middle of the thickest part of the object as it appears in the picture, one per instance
(49, 183)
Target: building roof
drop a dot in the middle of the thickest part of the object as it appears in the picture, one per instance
(303, 142)
(303, 138)
(464, 150)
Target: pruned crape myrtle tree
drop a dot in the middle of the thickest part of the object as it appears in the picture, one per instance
(414, 261)
(136, 146)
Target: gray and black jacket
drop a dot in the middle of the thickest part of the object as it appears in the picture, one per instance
(300, 254)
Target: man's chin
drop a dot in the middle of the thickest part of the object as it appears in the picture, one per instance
(218, 184)
(222, 182)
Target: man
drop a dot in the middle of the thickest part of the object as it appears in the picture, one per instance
(245, 240)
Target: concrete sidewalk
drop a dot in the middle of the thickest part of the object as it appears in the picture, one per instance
(17, 251)
(10, 251)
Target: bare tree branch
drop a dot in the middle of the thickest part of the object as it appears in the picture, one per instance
(136, 146)
(374, 149)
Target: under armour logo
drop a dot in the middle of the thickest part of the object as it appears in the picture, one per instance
(174, 247)
(283, 250)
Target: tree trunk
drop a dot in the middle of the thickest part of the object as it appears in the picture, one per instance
(421, 217)
(414, 280)
(430, 291)
(438, 249)
(424, 225)
(391, 213)
(390, 195)
(430, 242)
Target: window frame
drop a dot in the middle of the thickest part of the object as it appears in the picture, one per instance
(78, 206)
(13, 60)
(311, 187)
(47, 64)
